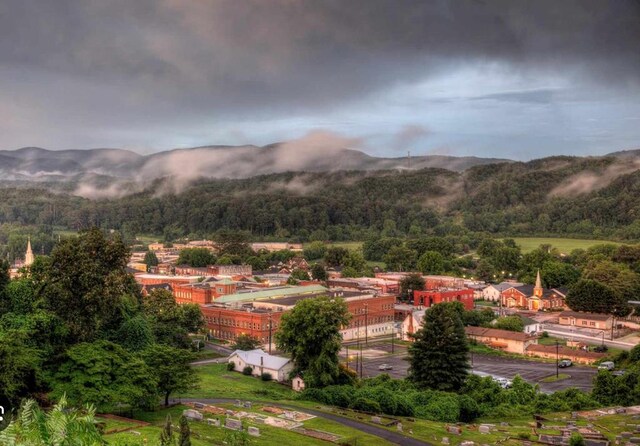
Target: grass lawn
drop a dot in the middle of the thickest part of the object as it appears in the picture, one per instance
(565, 245)
(217, 382)
(550, 340)
(204, 434)
(553, 378)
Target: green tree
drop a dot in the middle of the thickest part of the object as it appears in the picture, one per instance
(311, 334)
(336, 256)
(431, 262)
(314, 251)
(400, 258)
(171, 368)
(184, 439)
(150, 259)
(233, 243)
(170, 322)
(104, 374)
(196, 257)
(246, 342)
(409, 284)
(20, 365)
(318, 272)
(60, 426)
(510, 323)
(87, 286)
(300, 274)
(439, 356)
(167, 437)
(593, 296)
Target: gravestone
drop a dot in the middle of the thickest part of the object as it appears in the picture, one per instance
(445, 440)
(456, 430)
(399, 426)
(484, 429)
(232, 423)
(213, 422)
(199, 405)
(254, 431)
(467, 443)
(193, 415)
(376, 420)
(135, 433)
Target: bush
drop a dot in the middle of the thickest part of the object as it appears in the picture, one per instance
(544, 334)
(248, 370)
(366, 405)
(576, 440)
(231, 366)
(266, 376)
(469, 409)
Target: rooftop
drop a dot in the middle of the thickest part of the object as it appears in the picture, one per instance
(272, 293)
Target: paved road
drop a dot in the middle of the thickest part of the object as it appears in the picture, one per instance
(531, 371)
(593, 337)
(393, 437)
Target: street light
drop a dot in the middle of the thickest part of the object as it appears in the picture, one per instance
(270, 327)
(366, 323)
(557, 359)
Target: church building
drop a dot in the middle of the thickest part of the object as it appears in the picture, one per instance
(533, 297)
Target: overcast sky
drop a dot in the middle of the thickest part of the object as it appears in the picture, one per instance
(505, 78)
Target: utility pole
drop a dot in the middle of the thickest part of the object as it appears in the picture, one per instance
(347, 356)
(393, 336)
(366, 324)
(557, 360)
(613, 324)
(270, 327)
(360, 361)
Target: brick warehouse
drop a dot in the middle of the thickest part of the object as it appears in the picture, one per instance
(428, 298)
(371, 315)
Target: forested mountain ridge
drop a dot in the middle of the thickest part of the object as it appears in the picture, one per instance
(185, 165)
(586, 197)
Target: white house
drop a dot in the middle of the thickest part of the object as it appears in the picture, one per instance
(261, 362)
(530, 325)
(494, 291)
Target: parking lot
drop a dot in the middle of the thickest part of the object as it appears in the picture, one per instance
(376, 354)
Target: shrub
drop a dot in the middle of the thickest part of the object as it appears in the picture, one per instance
(576, 440)
(366, 405)
(248, 370)
(443, 407)
(231, 366)
(266, 376)
(313, 394)
(469, 409)
(544, 334)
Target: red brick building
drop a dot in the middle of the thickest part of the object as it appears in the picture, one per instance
(428, 298)
(371, 315)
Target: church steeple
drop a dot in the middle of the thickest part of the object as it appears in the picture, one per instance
(28, 256)
(537, 290)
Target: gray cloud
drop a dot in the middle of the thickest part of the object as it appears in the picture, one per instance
(121, 69)
(542, 96)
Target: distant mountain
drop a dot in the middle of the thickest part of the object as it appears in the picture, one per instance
(634, 153)
(185, 165)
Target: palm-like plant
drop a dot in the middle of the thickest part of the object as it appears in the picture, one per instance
(61, 426)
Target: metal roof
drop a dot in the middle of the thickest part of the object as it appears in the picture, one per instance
(268, 294)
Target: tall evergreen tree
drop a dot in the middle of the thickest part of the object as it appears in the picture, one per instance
(185, 432)
(438, 357)
(166, 436)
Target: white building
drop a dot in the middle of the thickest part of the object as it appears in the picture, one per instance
(277, 366)
(494, 291)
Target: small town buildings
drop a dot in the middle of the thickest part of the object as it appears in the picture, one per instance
(428, 298)
(277, 366)
(411, 324)
(229, 270)
(493, 292)
(531, 326)
(508, 341)
(276, 246)
(297, 383)
(436, 282)
(533, 297)
(562, 352)
(586, 320)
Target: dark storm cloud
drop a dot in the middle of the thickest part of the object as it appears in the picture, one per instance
(310, 52)
(153, 63)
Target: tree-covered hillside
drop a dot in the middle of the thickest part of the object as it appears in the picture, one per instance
(587, 197)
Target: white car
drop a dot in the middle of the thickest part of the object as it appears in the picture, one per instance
(503, 382)
(385, 367)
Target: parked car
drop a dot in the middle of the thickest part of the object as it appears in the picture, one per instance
(565, 363)
(619, 372)
(504, 382)
(607, 365)
(385, 367)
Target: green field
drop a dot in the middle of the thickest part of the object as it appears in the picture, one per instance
(565, 245)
